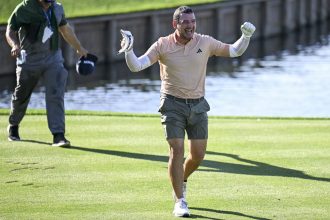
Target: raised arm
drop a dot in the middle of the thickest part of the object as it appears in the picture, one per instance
(238, 48)
(134, 63)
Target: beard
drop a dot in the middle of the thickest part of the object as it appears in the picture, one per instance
(187, 34)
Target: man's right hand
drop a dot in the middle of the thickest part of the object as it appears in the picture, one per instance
(15, 51)
(126, 42)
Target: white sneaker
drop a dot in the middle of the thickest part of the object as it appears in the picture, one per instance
(184, 192)
(181, 208)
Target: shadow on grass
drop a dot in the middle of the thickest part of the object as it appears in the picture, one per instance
(251, 168)
(254, 168)
(35, 142)
(223, 213)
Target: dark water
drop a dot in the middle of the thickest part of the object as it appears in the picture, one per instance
(281, 76)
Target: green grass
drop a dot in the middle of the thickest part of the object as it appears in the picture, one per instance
(103, 7)
(117, 169)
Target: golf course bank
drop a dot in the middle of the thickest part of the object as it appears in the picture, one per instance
(220, 20)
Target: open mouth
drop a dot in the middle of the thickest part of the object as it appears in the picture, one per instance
(189, 31)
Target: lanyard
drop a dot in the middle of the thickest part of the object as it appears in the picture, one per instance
(48, 16)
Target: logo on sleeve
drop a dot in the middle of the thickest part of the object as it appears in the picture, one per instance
(199, 50)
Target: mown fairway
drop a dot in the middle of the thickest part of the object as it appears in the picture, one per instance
(117, 169)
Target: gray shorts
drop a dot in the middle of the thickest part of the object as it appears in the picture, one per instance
(178, 116)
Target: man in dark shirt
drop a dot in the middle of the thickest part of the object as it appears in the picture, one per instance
(33, 33)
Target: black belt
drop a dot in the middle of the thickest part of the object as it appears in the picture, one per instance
(187, 101)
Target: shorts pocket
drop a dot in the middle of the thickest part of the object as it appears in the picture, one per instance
(165, 105)
(201, 107)
(161, 105)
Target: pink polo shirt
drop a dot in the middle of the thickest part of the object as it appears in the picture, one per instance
(183, 67)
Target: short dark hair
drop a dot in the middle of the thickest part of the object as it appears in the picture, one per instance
(180, 10)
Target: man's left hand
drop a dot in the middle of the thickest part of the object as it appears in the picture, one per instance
(82, 52)
(248, 29)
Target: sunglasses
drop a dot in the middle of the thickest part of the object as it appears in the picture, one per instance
(49, 1)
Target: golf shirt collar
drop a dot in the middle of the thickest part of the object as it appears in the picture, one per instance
(178, 43)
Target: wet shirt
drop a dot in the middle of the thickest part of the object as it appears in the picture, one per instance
(183, 67)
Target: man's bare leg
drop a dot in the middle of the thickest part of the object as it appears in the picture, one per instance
(197, 149)
(175, 165)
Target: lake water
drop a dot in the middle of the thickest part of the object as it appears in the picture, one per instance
(282, 76)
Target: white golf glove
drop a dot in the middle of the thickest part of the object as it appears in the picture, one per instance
(127, 41)
(247, 29)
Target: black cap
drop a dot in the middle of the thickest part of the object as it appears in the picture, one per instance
(86, 65)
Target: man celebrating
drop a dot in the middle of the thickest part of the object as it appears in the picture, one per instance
(33, 35)
(183, 57)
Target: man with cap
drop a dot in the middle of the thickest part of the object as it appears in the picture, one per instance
(33, 34)
(183, 57)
